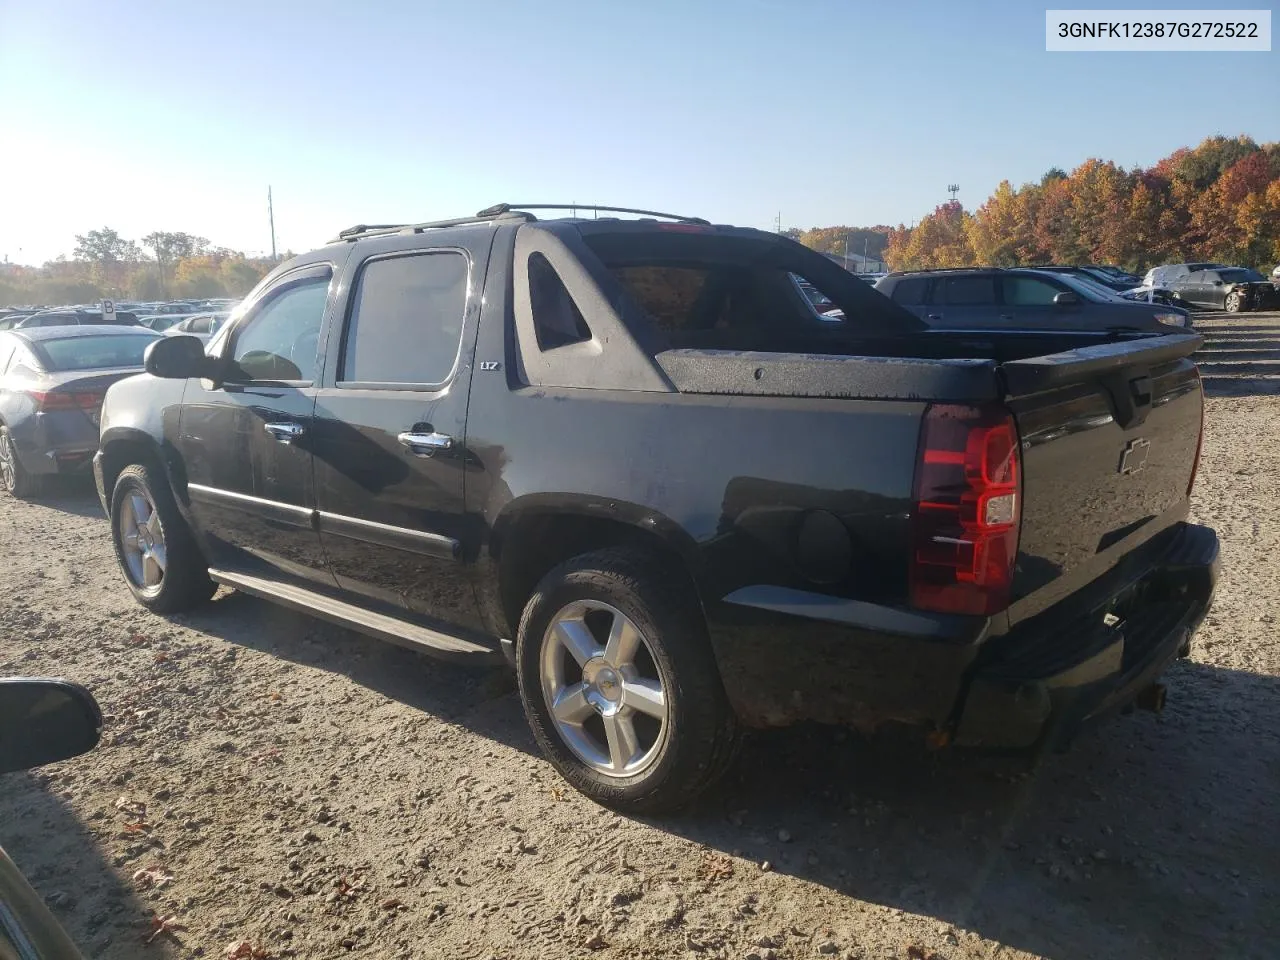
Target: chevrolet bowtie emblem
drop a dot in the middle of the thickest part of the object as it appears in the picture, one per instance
(1134, 457)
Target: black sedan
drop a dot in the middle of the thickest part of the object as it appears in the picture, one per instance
(1226, 288)
(52, 381)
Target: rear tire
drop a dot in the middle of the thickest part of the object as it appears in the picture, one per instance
(643, 731)
(158, 556)
(14, 478)
(1233, 303)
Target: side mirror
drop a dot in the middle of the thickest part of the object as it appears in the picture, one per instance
(178, 358)
(1217, 283)
(1065, 299)
(42, 721)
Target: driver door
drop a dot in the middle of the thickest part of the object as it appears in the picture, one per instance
(246, 443)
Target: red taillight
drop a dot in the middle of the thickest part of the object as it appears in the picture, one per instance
(48, 402)
(1195, 464)
(964, 531)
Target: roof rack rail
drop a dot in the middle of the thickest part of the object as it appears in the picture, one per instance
(500, 208)
(362, 230)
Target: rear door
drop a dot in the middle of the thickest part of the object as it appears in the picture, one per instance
(1191, 287)
(1213, 289)
(246, 443)
(965, 300)
(390, 439)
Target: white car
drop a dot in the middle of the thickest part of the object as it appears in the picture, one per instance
(201, 325)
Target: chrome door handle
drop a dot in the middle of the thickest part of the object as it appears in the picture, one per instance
(285, 432)
(425, 444)
(935, 316)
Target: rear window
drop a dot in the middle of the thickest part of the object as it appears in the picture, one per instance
(95, 352)
(669, 294)
(911, 290)
(406, 319)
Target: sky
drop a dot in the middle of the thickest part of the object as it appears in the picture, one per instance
(144, 115)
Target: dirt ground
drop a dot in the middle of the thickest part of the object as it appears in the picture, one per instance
(264, 777)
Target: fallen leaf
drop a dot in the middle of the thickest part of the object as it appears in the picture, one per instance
(152, 876)
(246, 950)
(161, 925)
(715, 866)
(139, 827)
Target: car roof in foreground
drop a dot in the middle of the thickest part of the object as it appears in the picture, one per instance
(71, 330)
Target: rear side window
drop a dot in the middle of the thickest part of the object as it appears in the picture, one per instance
(961, 290)
(910, 290)
(1028, 292)
(557, 321)
(7, 346)
(406, 319)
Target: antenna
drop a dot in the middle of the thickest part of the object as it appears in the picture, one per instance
(271, 218)
(953, 189)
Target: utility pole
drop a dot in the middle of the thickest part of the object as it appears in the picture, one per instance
(271, 218)
(778, 223)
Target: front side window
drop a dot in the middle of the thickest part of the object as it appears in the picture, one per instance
(281, 340)
(406, 319)
(1028, 292)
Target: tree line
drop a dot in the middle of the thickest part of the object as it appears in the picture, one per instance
(1219, 201)
(162, 265)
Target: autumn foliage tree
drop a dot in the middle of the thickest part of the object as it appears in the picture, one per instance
(1217, 201)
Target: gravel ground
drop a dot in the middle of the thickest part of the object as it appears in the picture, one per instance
(270, 783)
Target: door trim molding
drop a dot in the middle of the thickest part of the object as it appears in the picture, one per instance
(267, 509)
(384, 534)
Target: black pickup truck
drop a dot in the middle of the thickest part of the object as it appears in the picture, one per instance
(627, 455)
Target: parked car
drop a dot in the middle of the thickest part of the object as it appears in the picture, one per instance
(41, 721)
(1160, 295)
(162, 321)
(1164, 276)
(1114, 280)
(202, 325)
(52, 381)
(1021, 298)
(1226, 288)
(629, 457)
(73, 318)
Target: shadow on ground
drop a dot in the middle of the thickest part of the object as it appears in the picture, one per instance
(1150, 838)
(61, 859)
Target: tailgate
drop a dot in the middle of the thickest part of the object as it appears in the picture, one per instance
(1110, 435)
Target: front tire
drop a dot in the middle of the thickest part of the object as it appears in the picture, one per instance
(619, 683)
(158, 556)
(14, 478)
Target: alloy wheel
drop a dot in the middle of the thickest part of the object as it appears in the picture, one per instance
(8, 463)
(142, 541)
(603, 688)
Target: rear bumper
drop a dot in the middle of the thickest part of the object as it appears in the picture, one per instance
(1039, 685)
(59, 442)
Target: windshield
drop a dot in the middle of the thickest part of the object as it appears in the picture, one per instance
(1089, 289)
(100, 352)
(1240, 275)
